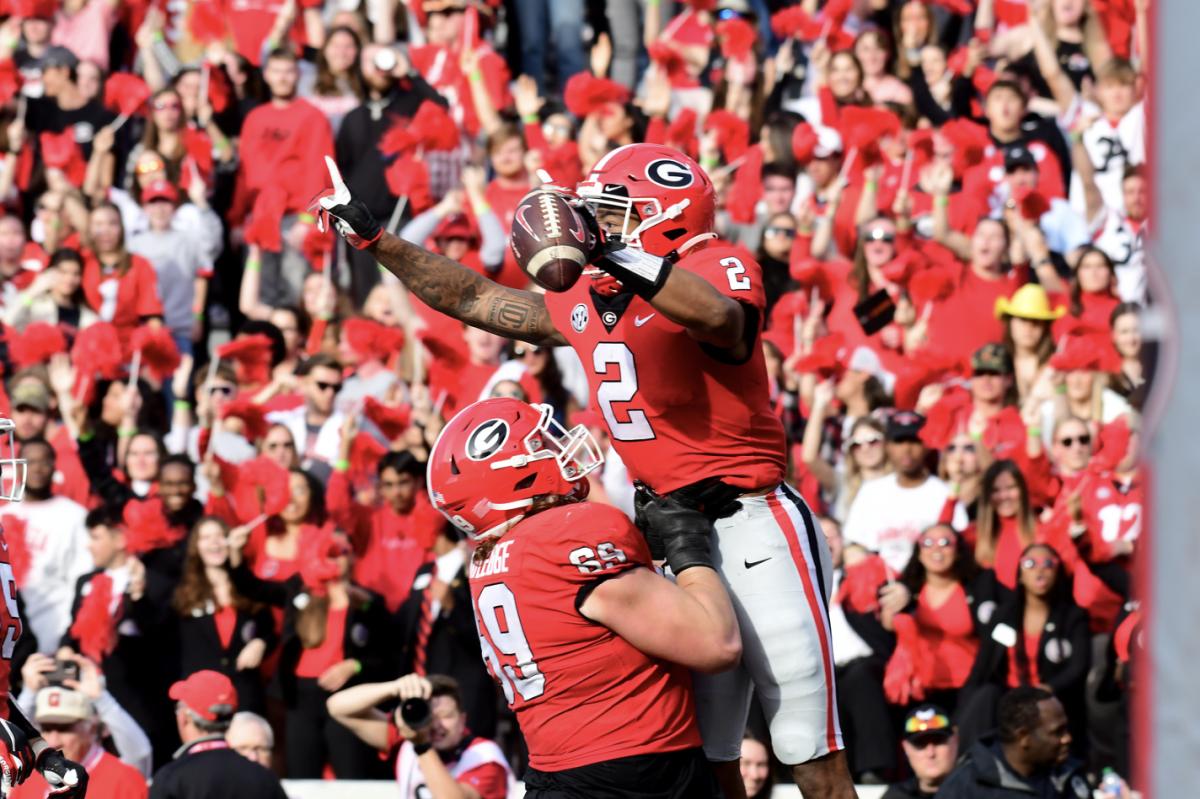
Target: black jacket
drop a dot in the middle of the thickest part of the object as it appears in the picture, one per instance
(906, 790)
(984, 774)
(214, 774)
(200, 648)
(368, 637)
(453, 648)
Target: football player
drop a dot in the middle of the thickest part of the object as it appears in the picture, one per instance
(667, 329)
(587, 641)
(22, 748)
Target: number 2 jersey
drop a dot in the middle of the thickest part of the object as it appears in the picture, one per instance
(581, 693)
(677, 410)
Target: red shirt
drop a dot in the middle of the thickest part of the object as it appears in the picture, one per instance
(10, 623)
(69, 478)
(108, 778)
(948, 638)
(504, 201)
(1112, 511)
(439, 66)
(581, 693)
(279, 147)
(677, 414)
(1032, 643)
(251, 20)
(125, 300)
(966, 320)
(313, 662)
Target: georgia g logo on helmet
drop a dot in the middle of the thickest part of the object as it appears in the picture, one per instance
(487, 439)
(670, 173)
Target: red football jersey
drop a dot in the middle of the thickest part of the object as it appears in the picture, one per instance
(1112, 512)
(676, 412)
(10, 623)
(580, 691)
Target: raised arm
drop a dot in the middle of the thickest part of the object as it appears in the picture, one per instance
(442, 284)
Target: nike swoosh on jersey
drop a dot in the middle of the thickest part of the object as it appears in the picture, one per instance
(638, 321)
(751, 564)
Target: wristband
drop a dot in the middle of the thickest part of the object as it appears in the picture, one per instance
(941, 201)
(475, 76)
(86, 437)
(306, 219)
(182, 405)
(357, 665)
(253, 264)
(481, 208)
(1034, 432)
(420, 749)
(531, 119)
(976, 436)
(872, 185)
(126, 432)
(644, 274)
(1061, 389)
(341, 465)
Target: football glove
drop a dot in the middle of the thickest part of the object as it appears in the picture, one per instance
(16, 755)
(66, 778)
(350, 216)
(716, 498)
(685, 532)
(639, 271)
(643, 494)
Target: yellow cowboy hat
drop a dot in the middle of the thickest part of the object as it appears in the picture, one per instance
(1028, 302)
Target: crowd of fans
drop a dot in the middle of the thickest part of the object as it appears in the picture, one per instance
(226, 413)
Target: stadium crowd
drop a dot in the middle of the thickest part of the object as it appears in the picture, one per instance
(226, 412)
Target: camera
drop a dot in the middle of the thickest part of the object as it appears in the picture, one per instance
(416, 713)
(63, 670)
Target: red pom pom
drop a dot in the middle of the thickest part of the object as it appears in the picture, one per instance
(737, 37)
(125, 93)
(794, 22)
(746, 190)
(804, 142)
(929, 285)
(94, 626)
(836, 11)
(10, 81)
(252, 357)
(409, 177)
(254, 419)
(1031, 203)
(827, 358)
(160, 355)
(1112, 446)
(262, 487)
(206, 23)
(733, 133)
(37, 344)
(371, 340)
(666, 57)
(901, 269)
(318, 559)
(146, 526)
(1078, 353)
(970, 141)
(864, 127)
(60, 151)
(391, 421)
(434, 127)
(681, 133)
(97, 351)
(586, 94)
(397, 138)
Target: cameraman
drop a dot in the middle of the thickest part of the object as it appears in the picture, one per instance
(437, 752)
(77, 673)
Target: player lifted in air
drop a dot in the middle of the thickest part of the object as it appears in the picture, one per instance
(579, 630)
(22, 748)
(667, 328)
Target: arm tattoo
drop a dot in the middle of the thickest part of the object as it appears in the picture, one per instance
(453, 289)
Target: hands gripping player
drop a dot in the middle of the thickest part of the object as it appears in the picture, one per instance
(667, 328)
(22, 748)
(579, 630)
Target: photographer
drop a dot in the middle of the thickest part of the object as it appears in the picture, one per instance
(82, 676)
(437, 752)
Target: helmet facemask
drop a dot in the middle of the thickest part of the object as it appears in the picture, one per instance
(12, 468)
(575, 451)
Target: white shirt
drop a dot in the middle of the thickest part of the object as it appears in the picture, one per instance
(1125, 243)
(1111, 148)
(56, 539)
(888, 519)
(847, 644)
(478, 753)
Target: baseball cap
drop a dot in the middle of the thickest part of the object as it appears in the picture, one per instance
(457, 226)
(927, 721)
(1019, 156)
(829, 142)
(442, 5)
(993, 358)
(904, 425)
(58, 705)
(209, 694)
(159, 190)
(58, 56)
(31, 394)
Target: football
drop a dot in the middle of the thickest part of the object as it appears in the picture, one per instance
(550, 240)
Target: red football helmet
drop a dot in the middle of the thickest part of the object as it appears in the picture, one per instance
(671, 195)
(495, 456)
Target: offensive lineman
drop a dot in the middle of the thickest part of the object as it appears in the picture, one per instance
(668, 331)
(22, 747)
(581, 633)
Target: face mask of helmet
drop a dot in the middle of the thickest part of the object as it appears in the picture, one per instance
(12, 468)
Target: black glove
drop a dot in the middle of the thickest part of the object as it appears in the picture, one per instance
(66, 778)
(712, 496)
(642, 273)
(16, 755)
(350, 215)
(685, 532)
(643, 494)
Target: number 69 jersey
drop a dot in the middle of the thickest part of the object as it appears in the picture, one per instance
(581, 693)
(10, 623)
(676, 410)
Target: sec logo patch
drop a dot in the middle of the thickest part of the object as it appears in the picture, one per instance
(579, 317)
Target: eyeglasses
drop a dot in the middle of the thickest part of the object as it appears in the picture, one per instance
(522, 351)
(1084, 440)
(167, 105)
(323, 386)
(872, 441)
(967, 448)
(940, 543)
(1048, 562)
(225, 390)
(789, 232)
(550, 128)
(879, 234)
(443, 12)
(987, 373)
